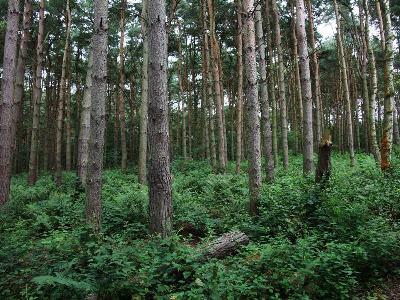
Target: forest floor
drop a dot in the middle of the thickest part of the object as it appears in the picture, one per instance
(339, 243)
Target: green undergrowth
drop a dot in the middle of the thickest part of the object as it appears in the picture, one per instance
(339, 243)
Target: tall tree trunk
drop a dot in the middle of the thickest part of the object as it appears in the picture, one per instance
(281, 86)
(267, 133)
(217, 88)
(297, 97)
(121, 89)
(37, 95)
(374, 86)
(252, 105)
(271, 82)
(210, 118)
(68, 128)
(97, 115)
(316, 76)
(182, 78)
(306, 88)
(132, 104)
(345, 85)
(144, 96)
(20, 72)
(387, 137)
(396, 134)
(7, 98)
(61, 96)
(239, 104)
(205, 84)
(159, 177)
(84, 134)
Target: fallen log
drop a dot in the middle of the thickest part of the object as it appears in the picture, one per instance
(225, 245)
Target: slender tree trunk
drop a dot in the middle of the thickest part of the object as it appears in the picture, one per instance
(380, 23)
(239, 104)
(281, 86)
(374, 87)
(159, 178)
(204, 75)
(306, 88)
(37, 95)
(297, 97)
(181, 79)
(144, 97)
(272, 83)
(132, 104)
(121, 89)
(252, 105)
(267, 133)
(97, 115)
(20, 72)
(316, 76)
(396, 134)
(7, 98)
(387, 137)
(217, 88)
(68, 128)
(84, 134)
(345, 85)
(60, 113)
(213, 150)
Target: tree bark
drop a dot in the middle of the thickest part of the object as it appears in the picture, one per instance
(297, 97)
(374, 87)
(7, 98)
(252, 105)
(121, 89)
(159, 177)
(316, 77)
(37, 95)
(68, 108)
(239, 104)
(84, 134)
(271, 77)
(345, 85)
(306, 88)
(144, 96)
(225, 244)
(97, 115)
(267, 133)
(20, 72)
(281, 86)
(217, 88)
(387, 136)
(210, 118)
(61, 96)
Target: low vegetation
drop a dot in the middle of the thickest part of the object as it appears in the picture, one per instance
(338, 243)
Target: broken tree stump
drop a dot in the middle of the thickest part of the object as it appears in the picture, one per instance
(323, 170)
(225, 245)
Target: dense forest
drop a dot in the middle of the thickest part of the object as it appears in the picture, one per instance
(200, 149)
